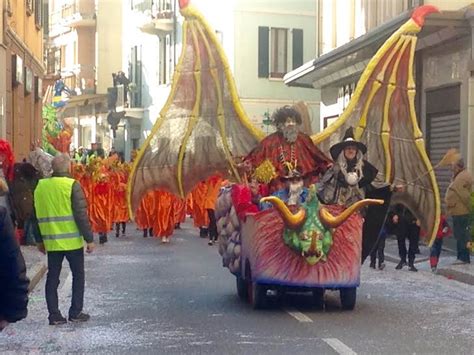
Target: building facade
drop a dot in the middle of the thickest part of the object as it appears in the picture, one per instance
(21, 73)
(151, 39)
(443, 67)
(262, 40)
(84, 50)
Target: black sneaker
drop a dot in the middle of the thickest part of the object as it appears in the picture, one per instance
(413, 268)
(372, 265)
(57, 320)
(381, 266)
(400, 265)
(81, 317)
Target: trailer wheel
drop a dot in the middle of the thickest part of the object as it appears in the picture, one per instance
(348, 297)
(241, 288)
(258, 296)
(318, 297)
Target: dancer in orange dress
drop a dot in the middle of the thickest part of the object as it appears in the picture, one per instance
(163, 222)
(101, 199)
(179, 209)
(119, 175)
(199, 213)
(145, 215)
(214, 184)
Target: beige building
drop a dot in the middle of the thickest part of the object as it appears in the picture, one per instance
(347, 40)
(84, 48)
(21, 73)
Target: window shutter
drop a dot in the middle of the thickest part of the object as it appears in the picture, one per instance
(263, 51)
(297, 48)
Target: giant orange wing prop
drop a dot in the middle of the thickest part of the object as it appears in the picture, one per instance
(202, 126)
(383, 111)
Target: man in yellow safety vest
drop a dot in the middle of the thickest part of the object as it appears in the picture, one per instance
(62, 225)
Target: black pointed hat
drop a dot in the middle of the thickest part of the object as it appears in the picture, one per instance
(348, 140)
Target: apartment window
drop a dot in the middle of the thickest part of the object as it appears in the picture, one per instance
(29, 7)
(279, 52)
(141, 5)
(38, 13)
(165, 62)
(273, 51)
(135, 75)
(53, 60)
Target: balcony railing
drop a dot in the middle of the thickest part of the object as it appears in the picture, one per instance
(156, 8)
(73, 14)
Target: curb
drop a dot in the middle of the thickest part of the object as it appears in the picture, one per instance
(456, 275)
(35, 274)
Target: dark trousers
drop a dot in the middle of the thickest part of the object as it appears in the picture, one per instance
(461, 233)
(76, 263)
(117, 227)
(435, 252)
(212, 225)
(378, 251)
(412, 247)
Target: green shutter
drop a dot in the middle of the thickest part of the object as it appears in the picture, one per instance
(297, 48)
(263, 51)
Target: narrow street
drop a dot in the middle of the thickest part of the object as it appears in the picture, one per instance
(146, 297)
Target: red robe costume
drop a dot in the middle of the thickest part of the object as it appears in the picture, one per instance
(120, 208)
(307, 157)
(145, 215)
(200, 217)
(163, 221)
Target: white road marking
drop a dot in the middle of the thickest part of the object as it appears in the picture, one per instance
(339, 346)
(66, 288)
(300, 317)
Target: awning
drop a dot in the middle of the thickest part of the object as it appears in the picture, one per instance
(349, 60)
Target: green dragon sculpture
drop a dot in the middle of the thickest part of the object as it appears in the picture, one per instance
(309, 232)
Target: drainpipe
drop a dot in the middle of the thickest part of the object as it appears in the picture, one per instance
(175, 28)
(469, 15)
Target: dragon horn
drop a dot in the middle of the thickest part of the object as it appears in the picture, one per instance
(292, 220)
(331, 221)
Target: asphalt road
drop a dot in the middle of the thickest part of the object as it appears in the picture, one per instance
(146, 297)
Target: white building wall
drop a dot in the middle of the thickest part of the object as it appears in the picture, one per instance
(109, 42)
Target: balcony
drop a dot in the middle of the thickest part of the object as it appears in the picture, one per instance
(158, 16)
(79, 13)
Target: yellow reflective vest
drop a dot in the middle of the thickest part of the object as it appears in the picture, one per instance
(53, 208)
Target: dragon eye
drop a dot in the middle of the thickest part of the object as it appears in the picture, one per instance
(304, 236)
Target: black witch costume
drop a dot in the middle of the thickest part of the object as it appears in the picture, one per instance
(349, 181)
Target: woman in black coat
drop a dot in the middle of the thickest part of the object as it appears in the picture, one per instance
(13, 280)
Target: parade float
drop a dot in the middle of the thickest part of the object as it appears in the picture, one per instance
(203, 129)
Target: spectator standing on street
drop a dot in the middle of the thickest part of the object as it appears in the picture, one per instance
(378, 250)
(435, 251)
(405, 226)
(458, 205)
(13, 280)
(21, 197)
(62, 226)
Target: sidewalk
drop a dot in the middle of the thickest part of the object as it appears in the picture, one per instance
(447, 261)
(36, 265)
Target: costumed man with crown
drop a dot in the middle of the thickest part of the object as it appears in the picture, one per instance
(286, 150)
(352, 179)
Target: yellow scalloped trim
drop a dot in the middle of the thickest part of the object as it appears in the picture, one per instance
(408, 27)
(190, 11)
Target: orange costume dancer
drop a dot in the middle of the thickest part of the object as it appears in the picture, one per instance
(145, 215)
(120, 172)
(179, 209)
(199, 213)
(163, 223)
(214, 184)
(101, 206)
